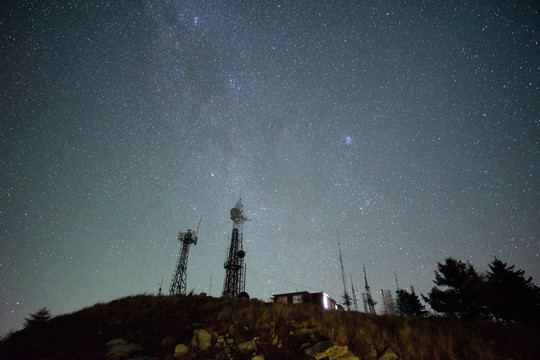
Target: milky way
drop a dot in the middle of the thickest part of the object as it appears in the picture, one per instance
(411, 129)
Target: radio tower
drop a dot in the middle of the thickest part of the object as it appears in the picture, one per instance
(354, 300)
(178, 283)
(368, 299)
(234, 284)
(346, 297)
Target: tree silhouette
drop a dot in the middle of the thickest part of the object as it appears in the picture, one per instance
(409, 303)
(511, 297)
(459, 290)
(38, 318)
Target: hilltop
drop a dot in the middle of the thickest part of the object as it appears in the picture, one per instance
(153, 327)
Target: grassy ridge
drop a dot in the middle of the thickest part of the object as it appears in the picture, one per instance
(147, 320)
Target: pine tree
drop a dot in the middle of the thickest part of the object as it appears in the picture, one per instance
(409, 303)
(459, 290)
(38, 318)
(511, 296)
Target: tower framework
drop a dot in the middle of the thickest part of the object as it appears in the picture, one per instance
(354, 300)
(178, 283)
(346, 297)
(234, 283)
(368, 300)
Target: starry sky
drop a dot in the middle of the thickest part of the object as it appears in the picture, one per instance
(410, 129)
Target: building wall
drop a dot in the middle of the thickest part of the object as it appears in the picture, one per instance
(321, 300)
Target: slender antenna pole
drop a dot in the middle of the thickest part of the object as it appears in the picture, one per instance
(346, 298)
(355, 301)
(197, 231)
(210, 291)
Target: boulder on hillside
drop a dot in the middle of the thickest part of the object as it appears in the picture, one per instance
(327, 349)
(348, 356)
(180, 350)
(201, 339)
(388, 354)
(120, 349)
(168, 341)
(247, 346)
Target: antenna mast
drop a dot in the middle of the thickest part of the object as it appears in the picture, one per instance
(395, 277)
(234, 284)
(178, 283)
(346, 297)
(368, 299)
(355, 301)
(160, 286)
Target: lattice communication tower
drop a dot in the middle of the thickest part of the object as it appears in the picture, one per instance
(178, 283)
(234, 284)
(369, 304)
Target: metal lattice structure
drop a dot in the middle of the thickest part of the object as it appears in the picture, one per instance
(234, 284)
(178, 283)
(354, 299)
(346, 297)
(368, 300)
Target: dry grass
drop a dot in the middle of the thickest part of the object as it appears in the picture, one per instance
(147, 320)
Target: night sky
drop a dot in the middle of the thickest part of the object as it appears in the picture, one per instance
(411, 129)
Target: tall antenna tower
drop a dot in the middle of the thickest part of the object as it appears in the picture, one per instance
(395, 277)
(368, 299)
(234, 284)
(178, 283)
(346, 297)
(354, 300)
(364, 300)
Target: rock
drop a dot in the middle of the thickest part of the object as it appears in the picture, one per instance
(327, 349)
(257, 357)
(247, 346)
(305, 345)
(120, 349)
(388, 354)
(201, 339)
(303, 331)
(348, 356)
(372, 352)
(180, 350)
(115, 342)
(168, 341)
(276, 341)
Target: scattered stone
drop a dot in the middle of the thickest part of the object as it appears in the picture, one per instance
(168, 341)
(372, 352)
(305, 345)
(247, 346)
(327, 349)
(303, 331)
(220, 340)
(276, 341)
(120, 349)
(180, 350)
(258, 357)
(388, 354)
(115, 342)
(348, 356)
(201, 339)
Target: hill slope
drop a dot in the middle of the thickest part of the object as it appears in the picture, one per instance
(151, 327)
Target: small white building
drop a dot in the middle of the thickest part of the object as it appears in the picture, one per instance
(320, 299)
